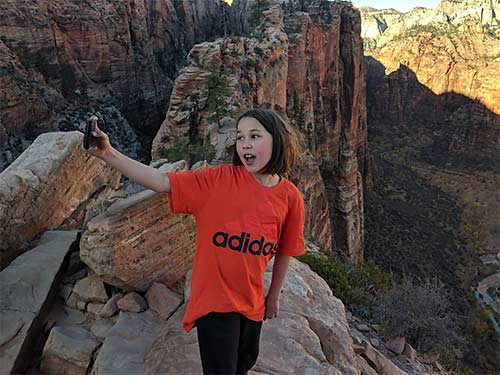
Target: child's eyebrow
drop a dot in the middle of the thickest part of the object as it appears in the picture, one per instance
(251, 130)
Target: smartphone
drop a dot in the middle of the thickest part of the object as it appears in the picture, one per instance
(87, 139)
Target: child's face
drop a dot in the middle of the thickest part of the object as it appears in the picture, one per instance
(254, 144)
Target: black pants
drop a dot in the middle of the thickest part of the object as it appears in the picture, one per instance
(229, 343)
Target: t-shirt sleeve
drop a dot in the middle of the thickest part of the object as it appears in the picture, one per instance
(189, 189)
(292, 235)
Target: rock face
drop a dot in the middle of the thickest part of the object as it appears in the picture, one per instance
(447, 129)
(64, 59)
(433, 78)
(255, 70)
(326, 98)
(452, 48)
(45, 186)
(30, 106)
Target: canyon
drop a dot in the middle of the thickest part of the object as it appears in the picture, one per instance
(397, 115)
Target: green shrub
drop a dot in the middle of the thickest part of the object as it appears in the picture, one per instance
(353, 285)
(178, 151)
(483, 340)
(451, 362)
(205, 151)
(332, 271)
(182, 150)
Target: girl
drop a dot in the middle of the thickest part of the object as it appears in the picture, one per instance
(246, 214)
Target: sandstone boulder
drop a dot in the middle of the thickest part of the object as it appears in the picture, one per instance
(162, 300)
(91, 289)
(132, 302)
(379, 362)
(44, 186)
(137, 240)
(111, 307)
(396, 344)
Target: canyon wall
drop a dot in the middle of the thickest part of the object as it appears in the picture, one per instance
(117, 59)
(433, 76)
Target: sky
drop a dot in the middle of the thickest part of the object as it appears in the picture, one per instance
(402, 6)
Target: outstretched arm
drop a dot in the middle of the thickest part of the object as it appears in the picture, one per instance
(142, 174)
(280, 269)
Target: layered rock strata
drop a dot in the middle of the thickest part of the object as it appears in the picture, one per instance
(254, 72)
(128, 49)
(447, 128)
(137, 241)
(45, 186)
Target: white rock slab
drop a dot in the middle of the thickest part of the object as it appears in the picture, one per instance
(127, 343)
(25, 287)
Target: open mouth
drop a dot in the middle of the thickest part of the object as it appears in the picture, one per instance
(249, 158)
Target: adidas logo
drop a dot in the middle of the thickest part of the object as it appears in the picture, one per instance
(243, 244)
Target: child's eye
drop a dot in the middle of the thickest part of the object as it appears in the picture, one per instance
(239, 138)
(255, 136)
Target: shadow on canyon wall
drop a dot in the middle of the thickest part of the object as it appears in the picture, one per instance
(448, 130)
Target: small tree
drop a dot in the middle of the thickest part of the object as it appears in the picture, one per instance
(217, 93)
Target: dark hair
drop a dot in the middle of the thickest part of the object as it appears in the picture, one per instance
(285, 143)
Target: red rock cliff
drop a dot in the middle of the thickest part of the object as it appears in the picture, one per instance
(326, 98)
(318, 76)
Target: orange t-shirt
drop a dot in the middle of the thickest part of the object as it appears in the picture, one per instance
(241, 226)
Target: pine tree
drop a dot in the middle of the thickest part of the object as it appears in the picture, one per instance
(217, 93)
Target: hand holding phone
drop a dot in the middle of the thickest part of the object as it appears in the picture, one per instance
(89, 128)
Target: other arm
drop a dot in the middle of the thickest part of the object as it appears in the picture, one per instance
(280, 269)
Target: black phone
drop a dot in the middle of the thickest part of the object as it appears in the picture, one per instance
(87, 139)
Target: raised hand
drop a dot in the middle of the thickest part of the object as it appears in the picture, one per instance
(99, 145)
